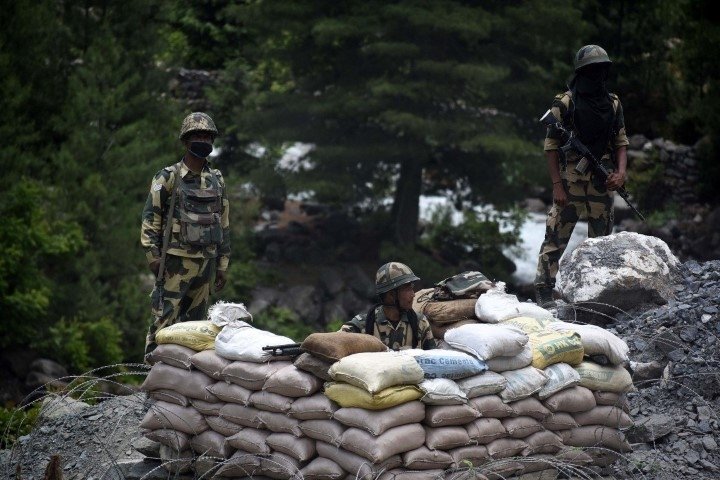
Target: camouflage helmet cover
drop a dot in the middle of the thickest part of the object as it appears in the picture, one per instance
(197, 122)
(590, 54)
(393, 275)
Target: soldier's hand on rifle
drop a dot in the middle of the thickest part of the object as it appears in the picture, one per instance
(559, 194)
(155, 267)
(615, 180)
(220, 280)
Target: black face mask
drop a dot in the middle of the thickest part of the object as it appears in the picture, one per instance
(201, 149)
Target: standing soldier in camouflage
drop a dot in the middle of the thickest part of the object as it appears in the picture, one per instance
(186, 230)
(393, 320)
(595, 115)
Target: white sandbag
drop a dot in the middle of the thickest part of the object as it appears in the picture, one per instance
(522, 383)
(376, 371)
(245, 343)
(515, 362)
(560, 376)
(486, 341)
(450, 364)
(226, 313)
(442, 391)
(487, 383)
(495, 306)
(597, 341)
(604, 379)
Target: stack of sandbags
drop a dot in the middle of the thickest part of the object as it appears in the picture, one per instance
(444, 314)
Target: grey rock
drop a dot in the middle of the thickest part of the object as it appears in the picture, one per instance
(359, 282)
(48, 367)
(56, 407)
(146, 447)
(262, 298)
(651, 428)
(334, 310)
(643, 371)
(709, 443)
(304, 300)
(667, 341)
(331, 281)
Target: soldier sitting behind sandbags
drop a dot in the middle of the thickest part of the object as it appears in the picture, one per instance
(393, 320)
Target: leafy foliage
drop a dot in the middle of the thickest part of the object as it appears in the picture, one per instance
(16, 422)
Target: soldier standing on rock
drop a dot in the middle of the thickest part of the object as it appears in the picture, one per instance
(186, 230)
(393, 320)
(596, 116)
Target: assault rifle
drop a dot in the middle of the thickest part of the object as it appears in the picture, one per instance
(287, 350)
(574, 143)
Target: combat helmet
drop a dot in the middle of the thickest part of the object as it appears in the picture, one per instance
(590, 54)
(393, 275)
(197, 122)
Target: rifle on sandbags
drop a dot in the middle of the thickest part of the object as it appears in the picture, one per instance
(287, 350)
(572, 142)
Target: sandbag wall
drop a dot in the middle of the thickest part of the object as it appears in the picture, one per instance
(349, 409)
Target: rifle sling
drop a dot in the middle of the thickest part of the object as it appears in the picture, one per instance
(168, 227)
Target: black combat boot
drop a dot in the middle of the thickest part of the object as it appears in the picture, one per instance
(544, 297)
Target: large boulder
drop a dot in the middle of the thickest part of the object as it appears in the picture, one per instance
(619, 271)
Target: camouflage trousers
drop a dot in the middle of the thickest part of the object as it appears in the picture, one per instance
(585, 201)
(187, 291)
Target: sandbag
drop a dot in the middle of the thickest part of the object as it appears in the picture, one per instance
(224, 427)
(542, 442)
(197, 335)
(239, 465)
(301, 449)
(207, 408)
(251, 440)
(448, 415)
(191, 384)
(521, 427)
(423, 458)
(531, 407)
(229, 392)
(210, 363)
(491, 406)
(279, 465)
(559, 421)
(514, 362)
(280, 423)
(291, 382)
(174, 461)
(607, 379)
(439, 331)
(314, 365)
(604, 415)
(358, 467)
(596, 436)
(446, 363)
(442, 391)
(526, 324)
(406, 474)
(505, 447)
(174, 439)
(322, 469)
(246, 343)
(251, 375)
(333, 346)
(174, 355)
(379, 421)
(571, 400)
(245, 416)
(487, 341)
(378, 449)
(328, 431)
(347, 395)
(522, 383)
(211, 444)
(560, 376)
(495, 306)
(170, 396)
(174, 417)
(446, 438)
(551, 347)
(476, 455)
(612, 399)
(315, 407)
(485, 430)
(270, 402)
(450, 311)
(597, 341)
(377, 371)
(574, 456)
(487, 383)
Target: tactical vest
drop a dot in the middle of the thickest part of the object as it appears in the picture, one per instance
(199, 211)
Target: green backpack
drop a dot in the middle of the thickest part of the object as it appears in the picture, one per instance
(469, 284)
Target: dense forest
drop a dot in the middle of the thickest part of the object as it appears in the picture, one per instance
(396, 99)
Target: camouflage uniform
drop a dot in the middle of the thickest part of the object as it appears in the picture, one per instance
(395, 337)
(586, 198)
(199, 242)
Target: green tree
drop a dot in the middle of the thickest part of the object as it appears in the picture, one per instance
(418, 91)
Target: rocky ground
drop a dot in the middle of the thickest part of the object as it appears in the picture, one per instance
(676, 370)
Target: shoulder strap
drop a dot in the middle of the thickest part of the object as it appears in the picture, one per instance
(168, 223)
(370, 320)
